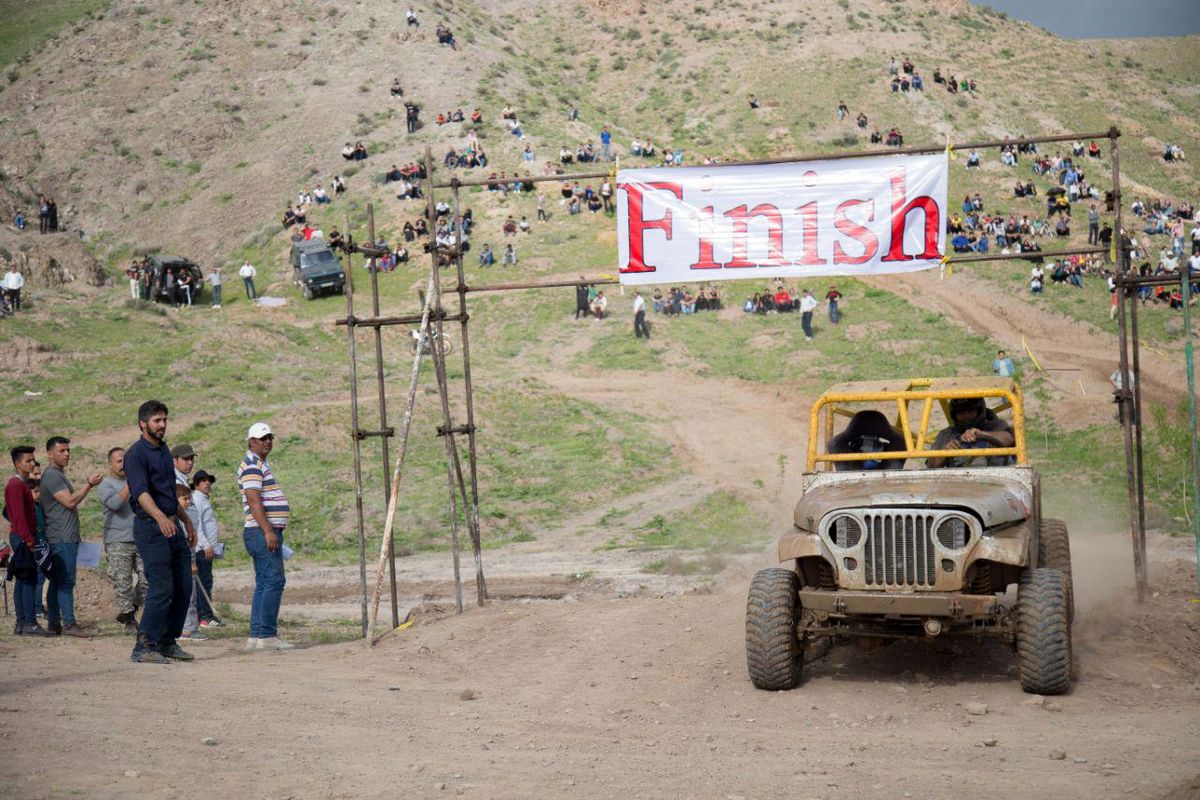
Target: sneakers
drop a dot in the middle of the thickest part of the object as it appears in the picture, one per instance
(34, 630)
(148, 657)
(210, 623)
(194, 636)
(177, 653)
(252, 643)
(74, 629)
(273, 643)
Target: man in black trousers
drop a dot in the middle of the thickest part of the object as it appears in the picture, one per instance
(582, 306)
(159, 534)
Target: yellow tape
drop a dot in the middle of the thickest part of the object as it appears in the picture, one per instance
(1029, 353)
(406, 625)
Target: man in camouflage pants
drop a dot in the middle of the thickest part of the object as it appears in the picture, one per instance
(124, 563)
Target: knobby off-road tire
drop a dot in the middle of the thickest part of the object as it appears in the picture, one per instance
(308, 293)
(773, 653)
(1043, 632)
(1054, 551)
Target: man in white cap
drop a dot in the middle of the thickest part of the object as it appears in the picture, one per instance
(265, 508)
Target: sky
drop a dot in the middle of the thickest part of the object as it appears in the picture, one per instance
(1090, 19)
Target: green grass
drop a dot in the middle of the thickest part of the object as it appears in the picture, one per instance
(721, 523)
(27, 25)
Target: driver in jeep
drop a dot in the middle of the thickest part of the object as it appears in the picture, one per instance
(972, 426)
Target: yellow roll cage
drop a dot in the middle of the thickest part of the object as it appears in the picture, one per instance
(925, 391)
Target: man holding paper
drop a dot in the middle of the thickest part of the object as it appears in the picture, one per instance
(265, 508)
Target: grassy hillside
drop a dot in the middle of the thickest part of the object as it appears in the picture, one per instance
(189, 127)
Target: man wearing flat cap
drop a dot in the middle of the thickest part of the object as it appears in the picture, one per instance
(185, 460)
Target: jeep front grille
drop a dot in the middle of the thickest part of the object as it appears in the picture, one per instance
(899, 550)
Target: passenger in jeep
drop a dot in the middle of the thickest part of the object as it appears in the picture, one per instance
(868, 432)
(973, 426)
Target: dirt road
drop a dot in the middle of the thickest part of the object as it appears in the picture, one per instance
(622, 698)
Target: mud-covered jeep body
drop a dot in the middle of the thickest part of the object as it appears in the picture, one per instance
(883, 547)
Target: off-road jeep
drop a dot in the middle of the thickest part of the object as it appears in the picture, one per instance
(316, 269)
(884, 545)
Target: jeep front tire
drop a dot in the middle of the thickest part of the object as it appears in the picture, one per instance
(1054, 551)
(773, 652)
(1043, 632)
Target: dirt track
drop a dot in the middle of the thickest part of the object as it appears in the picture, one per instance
(636, 697)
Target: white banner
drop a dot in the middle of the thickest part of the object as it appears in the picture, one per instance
(859, 216)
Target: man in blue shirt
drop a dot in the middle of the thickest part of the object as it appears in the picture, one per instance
(166, 554)
(606, 144)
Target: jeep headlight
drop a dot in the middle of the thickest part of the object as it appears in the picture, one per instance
(845, 531)
(953, 533)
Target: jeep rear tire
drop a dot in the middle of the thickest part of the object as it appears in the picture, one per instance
(1054, 551)
(1043, 632)
(773, 652)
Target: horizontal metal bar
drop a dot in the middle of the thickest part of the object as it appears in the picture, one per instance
(566, 176)
(1153, 280)
(442, 431)
(403, 319)
(895, 455)
(385, 433)
(888, 151)
(1076, 251)
(500, 287)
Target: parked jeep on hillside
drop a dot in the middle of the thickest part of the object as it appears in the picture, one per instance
(159, 264)
(316, 269)
(905, 532)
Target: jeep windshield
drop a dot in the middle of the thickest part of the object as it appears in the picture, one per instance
(319, 261)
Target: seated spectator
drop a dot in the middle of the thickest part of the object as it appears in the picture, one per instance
(486, 256)
(339, 185)
(783, 300)
(457, 115)
(421, 227)
(442, 208)
(440, 119)
(753, 102)
(895, 84)
(320, 196)
(961, 243)
(476, 117)
(575, 206)
(335, 239)
(510, 226)
(937, 76)
(648, 148)
(876, 137)
(446, 37)
(401, 254)
(566, 156)
(348, 152)
(973, 159)
(360, 152)
(594, 203)
(289, 217)
(656, 300)
(523, 225)
(907, 67)
(411, 17)
(599, 306)
(19, 219)
(510, 256)
(918, 83)
(397, 89)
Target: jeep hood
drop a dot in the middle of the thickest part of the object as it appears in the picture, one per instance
(995, 499)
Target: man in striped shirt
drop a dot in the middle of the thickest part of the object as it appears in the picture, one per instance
(265, 508)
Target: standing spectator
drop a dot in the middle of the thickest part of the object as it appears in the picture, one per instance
(14, 281)
(22, 537)
(583, 305)
(808, 304)
(265, 508)
(185, 285)
(1003, 365)
(184, 458)
(833, 296)
(60, 504)
(53, 213)
(131, 272)
(191, 622)
(207, 539)
(43, 214)
(1093, 226)
(248, 274)
(541, 207)
(639, 316)
(163, 549)
(606, 144)
(124, 563)
(606, 193)
(214, 280)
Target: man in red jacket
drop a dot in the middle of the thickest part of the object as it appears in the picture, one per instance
(22, 519)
